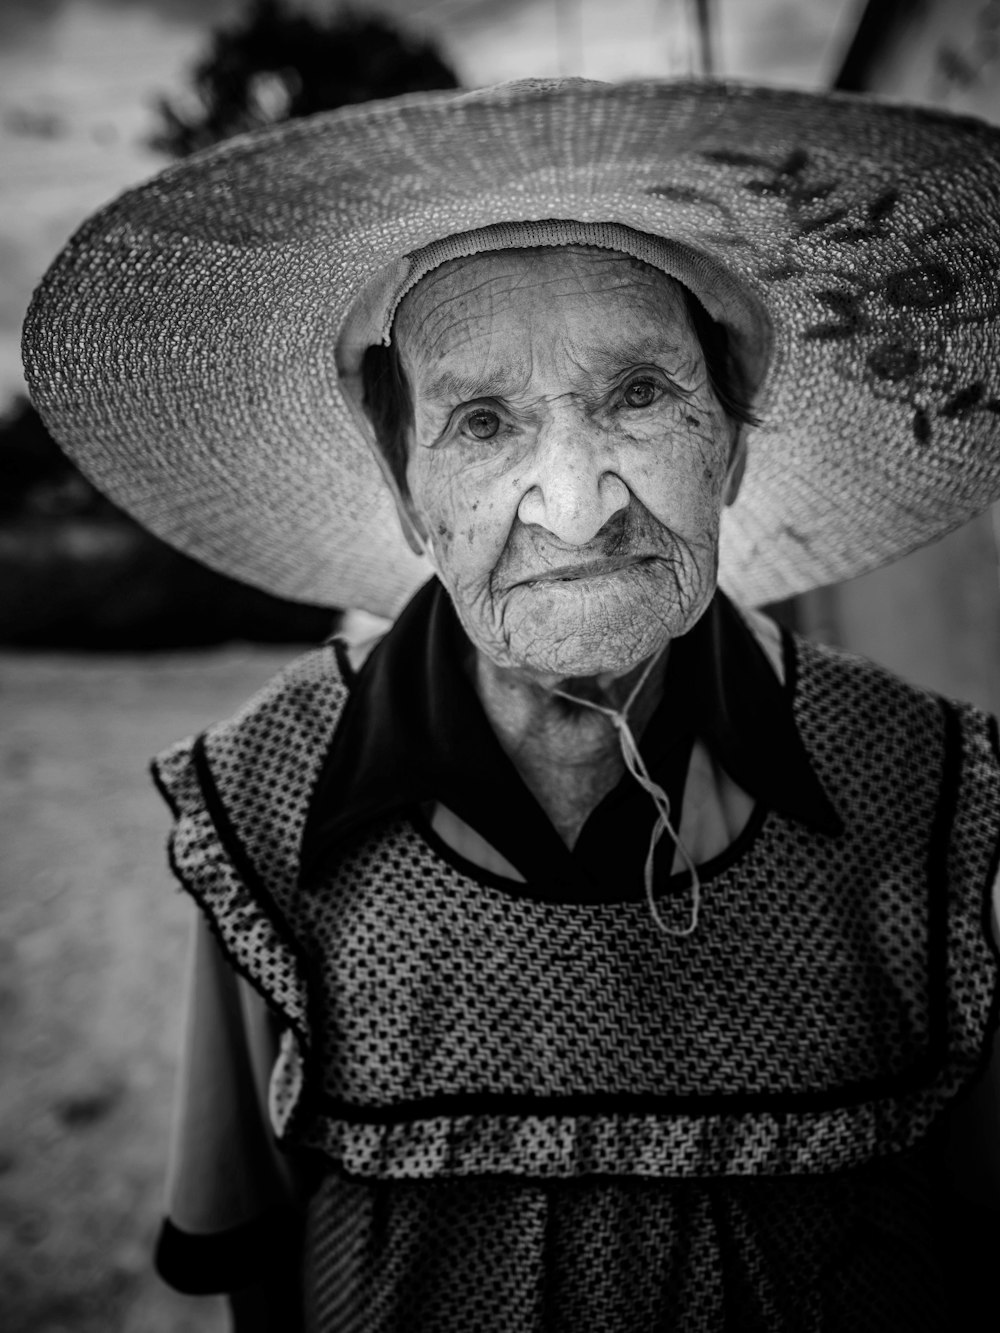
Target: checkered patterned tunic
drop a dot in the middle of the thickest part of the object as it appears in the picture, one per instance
(546, 1117)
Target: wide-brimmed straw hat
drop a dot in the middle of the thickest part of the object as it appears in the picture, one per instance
(192, 345)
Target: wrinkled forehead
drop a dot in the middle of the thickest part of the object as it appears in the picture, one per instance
(487, 292)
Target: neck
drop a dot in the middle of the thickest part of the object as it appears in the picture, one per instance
(567, 753)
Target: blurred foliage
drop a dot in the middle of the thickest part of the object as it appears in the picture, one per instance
(35, 474)
(76, 572)
(277, 64)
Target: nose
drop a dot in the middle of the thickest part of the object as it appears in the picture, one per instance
(573, 490)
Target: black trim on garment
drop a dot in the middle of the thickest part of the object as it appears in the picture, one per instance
(994, 734)
(344, 665)
(413, 731)
(310, 1064)
(235, 851)
(259, 1252)
(245, 869)
(938, 882)
(585, 1182)
(989, 913)
(989, 932)
(205, 907)
(517, 1105)
(789, 662)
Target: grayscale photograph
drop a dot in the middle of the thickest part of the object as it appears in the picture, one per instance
(499, 666)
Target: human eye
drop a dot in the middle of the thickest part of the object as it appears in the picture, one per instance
(481, 423)
(641, 391)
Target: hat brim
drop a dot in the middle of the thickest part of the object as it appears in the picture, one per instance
(182, 348)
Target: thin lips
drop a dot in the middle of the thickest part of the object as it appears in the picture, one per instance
(589, 569)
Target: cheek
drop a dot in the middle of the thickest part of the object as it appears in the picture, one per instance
(467, 516)
(679, 474)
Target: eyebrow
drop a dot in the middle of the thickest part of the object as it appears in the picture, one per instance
(612, 356)
(450, 385)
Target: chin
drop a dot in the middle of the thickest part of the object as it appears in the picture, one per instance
(588, 636)
(579, 654)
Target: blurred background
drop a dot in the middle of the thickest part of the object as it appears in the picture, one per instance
(112, 644)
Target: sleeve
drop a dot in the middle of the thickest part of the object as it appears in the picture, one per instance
(234, 1206)
(971, 1203)
(974, 1139)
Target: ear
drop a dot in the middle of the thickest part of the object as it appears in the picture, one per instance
(737, 466)
(409, 520)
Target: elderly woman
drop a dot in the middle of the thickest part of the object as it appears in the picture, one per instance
(588, 954)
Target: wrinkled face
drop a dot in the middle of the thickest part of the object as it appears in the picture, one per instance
(568, 462)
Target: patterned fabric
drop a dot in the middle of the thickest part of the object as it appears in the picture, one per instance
(768, 1256)
(544, 1115)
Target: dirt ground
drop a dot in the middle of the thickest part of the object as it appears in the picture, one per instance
(92, 958)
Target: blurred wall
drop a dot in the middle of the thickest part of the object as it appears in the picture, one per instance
(933, 617)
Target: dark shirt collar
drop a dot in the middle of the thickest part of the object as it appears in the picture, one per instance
(413, 731)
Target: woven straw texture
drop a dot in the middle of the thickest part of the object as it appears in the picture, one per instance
(182, 347)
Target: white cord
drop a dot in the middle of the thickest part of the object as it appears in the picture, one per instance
(635, 765)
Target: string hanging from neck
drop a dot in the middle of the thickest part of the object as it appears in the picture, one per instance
(636, 766)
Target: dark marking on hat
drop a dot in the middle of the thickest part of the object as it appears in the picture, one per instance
(843, 303)
(849, 317)
(778, 187)
(879, 211)
(795, 163)
(784, 181)
(893, 360)
(784, 187)
(726, 157)
(781, 272)
(830, 331)
(786, 184)
(732, 238)
(783, 175)
(811, 194)
(992, 405)
(882, 206)
(963, 401)
(851, 235)
(921, 288)
(677, 194)
(806, 226)
(921, 426)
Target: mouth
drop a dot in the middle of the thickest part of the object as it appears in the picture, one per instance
(588, 569)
